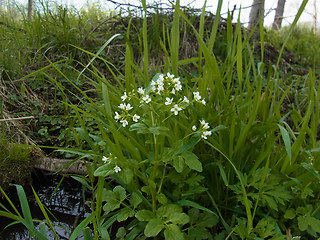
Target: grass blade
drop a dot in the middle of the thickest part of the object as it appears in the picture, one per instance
(286, 139)
(80, 228)
(175, 40)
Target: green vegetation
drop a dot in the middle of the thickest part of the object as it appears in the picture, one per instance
(15, 163)
(190, 136)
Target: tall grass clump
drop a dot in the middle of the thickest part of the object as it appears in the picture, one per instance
(196, 147)
(304, 43)
(31, 44)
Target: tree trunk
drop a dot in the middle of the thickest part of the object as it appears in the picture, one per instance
(279, 15)
(30, 9)
(256, 12)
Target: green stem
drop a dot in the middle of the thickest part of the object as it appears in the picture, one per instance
(162, 178)
(155, 165)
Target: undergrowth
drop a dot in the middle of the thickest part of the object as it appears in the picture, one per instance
(189, 144)
(15, 163)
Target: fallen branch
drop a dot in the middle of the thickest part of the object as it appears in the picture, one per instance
(55, 164)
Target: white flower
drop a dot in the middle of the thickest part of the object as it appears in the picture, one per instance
(203, 102)
(205, 134)
(141, 90)
(169, 101)
(176, 80)
(124, 97)
(117, 169)
(170, 75)
(146, 98)
(197, 96)
(204, 124)
(153, 89)
(161, 78)
(106, 160)
(185, 99)
(135, 118)
(117, 116)
(178, 86)
(160, 81)
(194, 127)
(173, 91)
(176, 109)
(128, 107)
(122, 106)
(160, 87)
(124, 122)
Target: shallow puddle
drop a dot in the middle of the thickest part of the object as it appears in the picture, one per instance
(65, 203)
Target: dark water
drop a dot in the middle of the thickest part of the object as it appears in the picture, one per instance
(66, 204)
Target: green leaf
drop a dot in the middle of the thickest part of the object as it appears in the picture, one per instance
(173, 232)
(168, 210)
(192, 161)
(83, 181)
(139, 127)
(24, 205)
(112, 202)
(87, 235)
(189, 203)
(103, 232)
(42, 228)
(207, 220)
(44, 212)
(144, 215)
(76, 232)
(199, 222)
(286, 140)
(135, 199)
(162, 198)
(159, 130)
(306, 192)
(104, 170)
(223, 174)
(314, 223)
(302, 223)
(154, 130)
(199, 233)
(192, 142)
(309, 167)
(124, 214)
(113, 198)
(266, 227)
(153, 227)
(290, 214)
(121, 232)
(126, 175)
(194, 215)
(179, 218)
(178, 163)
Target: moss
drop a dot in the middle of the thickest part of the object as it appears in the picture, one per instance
(15, 163)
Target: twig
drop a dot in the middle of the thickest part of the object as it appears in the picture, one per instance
(18, 118)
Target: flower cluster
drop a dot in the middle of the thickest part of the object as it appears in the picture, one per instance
(204, 126)
(125, 114)
(197, 98)
(162, 90)
(166, 83)
(110, 159)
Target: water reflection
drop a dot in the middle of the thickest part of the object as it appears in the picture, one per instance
(65, 203)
